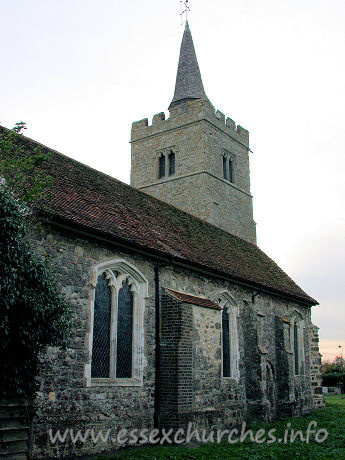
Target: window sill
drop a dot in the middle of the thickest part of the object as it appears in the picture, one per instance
(132, 382)
(230, 379)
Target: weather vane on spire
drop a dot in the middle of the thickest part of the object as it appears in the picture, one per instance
(184, 10)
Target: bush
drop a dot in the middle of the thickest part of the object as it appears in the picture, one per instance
(32, 312)
(332, 379)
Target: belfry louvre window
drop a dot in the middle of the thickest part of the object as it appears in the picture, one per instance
(117, 318)
(161, 166)
(225, 173)
(171, 161)
(231, 170)
(229, 162)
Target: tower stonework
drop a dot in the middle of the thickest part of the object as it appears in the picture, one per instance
(195, 160)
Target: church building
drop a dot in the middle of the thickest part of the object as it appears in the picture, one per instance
(178, 316)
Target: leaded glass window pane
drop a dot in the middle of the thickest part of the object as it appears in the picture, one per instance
(226, 343)
(124, 332)
(295, 343)
(171, 159)
(101, 329)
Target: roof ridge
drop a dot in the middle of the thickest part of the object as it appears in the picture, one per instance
(26, 138)
(153, 198)
(84, 196)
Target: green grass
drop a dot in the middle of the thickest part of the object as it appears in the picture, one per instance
(332, 418)
(336, 400)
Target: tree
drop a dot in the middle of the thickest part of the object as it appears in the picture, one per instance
(33, 314)
(333, 372)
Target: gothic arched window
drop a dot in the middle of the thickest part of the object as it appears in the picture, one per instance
(101, 329)
(124, 332)
(295, 347)
(117, 317)
(161, 166)
(171, 161)
(229, 167)
(297, 343)
(101, 336)
(229, 337)
(226, 343)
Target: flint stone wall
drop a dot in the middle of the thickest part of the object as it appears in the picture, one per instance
(203, 397)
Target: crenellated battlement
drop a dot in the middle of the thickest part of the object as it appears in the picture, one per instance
(195, 157)
(184, 114)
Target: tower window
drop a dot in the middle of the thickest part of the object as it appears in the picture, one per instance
(225, 173)
(171, 159)
(161, 166)
(231, 170)
(229, 167)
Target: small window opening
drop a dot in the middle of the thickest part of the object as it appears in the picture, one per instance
(171, 159)
(226, 343)
(225, 174)
(231, 170)
(161, 166)
(295, 346)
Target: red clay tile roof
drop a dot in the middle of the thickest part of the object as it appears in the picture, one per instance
(98, 203)
(188, 298)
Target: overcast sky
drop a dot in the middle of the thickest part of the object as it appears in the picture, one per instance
(79, 72)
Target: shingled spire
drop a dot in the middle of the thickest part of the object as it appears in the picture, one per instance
(188, 79)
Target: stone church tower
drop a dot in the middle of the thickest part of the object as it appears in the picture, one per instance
(196, 159)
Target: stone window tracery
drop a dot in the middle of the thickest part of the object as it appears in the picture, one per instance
(166, 163)
(229, 167)
(229, 336)
(116, 327)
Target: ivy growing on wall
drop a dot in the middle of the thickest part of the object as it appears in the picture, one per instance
(33, 314)
(20, 170)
